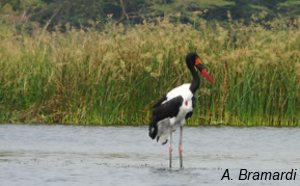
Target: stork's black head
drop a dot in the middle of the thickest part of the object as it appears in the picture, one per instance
(193, 60)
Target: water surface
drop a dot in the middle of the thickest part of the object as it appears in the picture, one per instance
(74, 155)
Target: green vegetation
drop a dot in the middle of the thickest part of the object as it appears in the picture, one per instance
(85, 13)
(107, 61)
(115, 75)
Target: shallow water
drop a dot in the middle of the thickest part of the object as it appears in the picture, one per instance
(75, 155)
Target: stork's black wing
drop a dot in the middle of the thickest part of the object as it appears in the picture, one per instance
(159, 102)
(167, 110)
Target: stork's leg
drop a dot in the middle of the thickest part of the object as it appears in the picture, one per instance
(180, 149)
(170, 149)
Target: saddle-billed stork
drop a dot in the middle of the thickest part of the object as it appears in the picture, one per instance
(172, 110)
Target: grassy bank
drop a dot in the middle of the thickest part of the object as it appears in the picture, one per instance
(113, 77)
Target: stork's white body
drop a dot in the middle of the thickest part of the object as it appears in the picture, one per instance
(171, 124)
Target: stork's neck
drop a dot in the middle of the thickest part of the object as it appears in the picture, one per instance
(196, 81)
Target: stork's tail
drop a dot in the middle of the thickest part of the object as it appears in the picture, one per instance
(153, 129)
(160, 131)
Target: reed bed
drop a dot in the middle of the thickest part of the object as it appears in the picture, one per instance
(114, 76)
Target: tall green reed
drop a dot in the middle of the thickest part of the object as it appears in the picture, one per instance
(114, 76)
